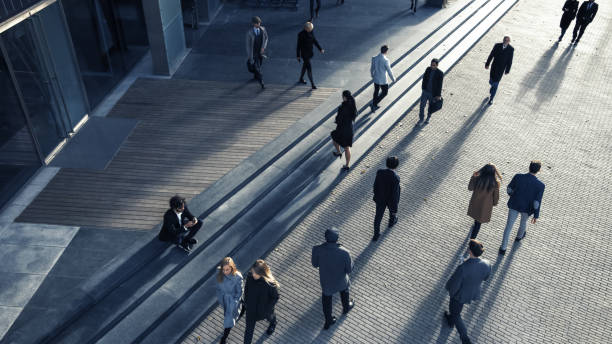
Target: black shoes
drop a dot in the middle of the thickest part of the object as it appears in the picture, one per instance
(302, 81)
(502, 252)
(336, 154)
(328, 324)
(374, 107)
(521, 238)
(192, 241)
(272, 327)
(185, 247)
(314, 87)
(345, 168)
(375, 237)
(350, 306)
(392, 221)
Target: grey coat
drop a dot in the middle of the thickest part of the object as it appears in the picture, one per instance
(464, 285)
(334, 263)
(379, 69)
(250, 39)
(229, 293)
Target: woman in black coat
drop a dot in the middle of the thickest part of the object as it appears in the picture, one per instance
(343, 135)
(569, 13)
(260, 297)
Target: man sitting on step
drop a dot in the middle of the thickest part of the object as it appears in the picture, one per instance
(180, 226)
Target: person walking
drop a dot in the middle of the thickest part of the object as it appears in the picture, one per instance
(484, 185)
(386, 194)
(335, 265)
(229, 292)
(256, 43)
(314, 12)
(526, 192)
(501, 54)
(343, 135)
(260, 298)
(180, 226)
(464, 286)
(569, 13)
(431, 89)
(379, 69)
(413, 5)
(585, 16)
(305, 42)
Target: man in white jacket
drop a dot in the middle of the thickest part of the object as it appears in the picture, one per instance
(379, 70)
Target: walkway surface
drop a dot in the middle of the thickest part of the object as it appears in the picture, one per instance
(553, 287)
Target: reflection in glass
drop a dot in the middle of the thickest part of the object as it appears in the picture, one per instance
(109, 38)
(18, 158)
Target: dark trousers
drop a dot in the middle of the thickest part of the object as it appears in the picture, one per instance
(413, 4)
(380, 211)
(454, 308)
(378, 97)
(314, 11)
(257, 63)
(475, 229)
(579, 27)
(426, 97)
(250, 327)
(562, 32)
(190, 233)
(493, 89)
(307, 67)
(327, 304)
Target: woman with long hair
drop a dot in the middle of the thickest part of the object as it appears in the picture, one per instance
(484, 185)
(343, 135)
(260, 297)
(229, 292)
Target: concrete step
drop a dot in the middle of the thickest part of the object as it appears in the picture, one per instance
(157, 293)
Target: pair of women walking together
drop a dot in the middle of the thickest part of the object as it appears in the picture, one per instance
(260, 297)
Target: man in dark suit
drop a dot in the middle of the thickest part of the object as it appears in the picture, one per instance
(256, 43)
(464, 286)
(180, 226)
(501, 55)
(335, 265)
(386, 194)
(526, 192)
(305, 43)
(431, 89)
(585, 16)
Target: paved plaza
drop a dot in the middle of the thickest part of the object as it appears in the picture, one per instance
(553, 287)
(554, 106)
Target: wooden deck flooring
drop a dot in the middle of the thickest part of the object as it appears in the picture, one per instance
(190, 134)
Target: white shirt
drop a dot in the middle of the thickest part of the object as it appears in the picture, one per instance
(179, 217)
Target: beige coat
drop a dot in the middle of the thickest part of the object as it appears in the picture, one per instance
(482, 202)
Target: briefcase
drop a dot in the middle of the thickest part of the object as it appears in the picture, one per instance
(250, 66)
(436, 105)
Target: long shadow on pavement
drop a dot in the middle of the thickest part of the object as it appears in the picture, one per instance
(550, 83)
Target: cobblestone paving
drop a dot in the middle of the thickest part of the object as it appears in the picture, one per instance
(553, 287)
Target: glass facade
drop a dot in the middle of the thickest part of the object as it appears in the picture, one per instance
(109, 38)
(55, 63)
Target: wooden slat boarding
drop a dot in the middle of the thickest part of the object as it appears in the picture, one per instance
(190, 134)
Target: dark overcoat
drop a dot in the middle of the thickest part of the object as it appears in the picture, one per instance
(260, 297)
(335, 265)
(343, 135)
(585, 14)
(569, 13)
(502, 61)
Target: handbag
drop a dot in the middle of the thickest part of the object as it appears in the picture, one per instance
(436, 105)
(250, 66)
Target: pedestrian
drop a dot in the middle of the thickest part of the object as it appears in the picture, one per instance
(379, 69)
(180, 226)
(256, 43)
(501, 55)
(314, 13)
(484, 185)
(305, 42)
(386, 194)
(585, 16)
(526, 192)
(260, 298)
(343, 135)
(464, 286)
(413, 5)
(569, 13)
(335, 265)
(431, 89)
(229, 293)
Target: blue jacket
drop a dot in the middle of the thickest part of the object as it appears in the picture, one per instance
(464, 285)
(526, 192)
